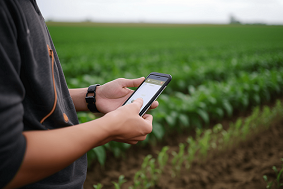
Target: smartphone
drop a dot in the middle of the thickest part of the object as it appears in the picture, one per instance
(149, 90)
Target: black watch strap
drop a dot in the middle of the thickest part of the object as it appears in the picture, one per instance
(90, 100)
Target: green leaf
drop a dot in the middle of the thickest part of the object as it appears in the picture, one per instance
(227, 106)
(171, 118)
(256, 98)
(191, 89)
(181, 84)
(126, 146)
(100, 153)
(184, 119)
(238, 123)
(212, 100)
(256, 88)
(203, 115)
(195, 121)
(265, 178)
(158, 130)
(116, 150)
(98, 186)
(219, 112)
(116, 185)
(275, 169)
(218, 127)
(121, 179)
(245, 101)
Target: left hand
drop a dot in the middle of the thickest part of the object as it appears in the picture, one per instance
(113, 94)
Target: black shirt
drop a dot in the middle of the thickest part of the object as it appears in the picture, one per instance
(33, 95)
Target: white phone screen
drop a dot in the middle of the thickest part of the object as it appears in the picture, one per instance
(146, 91)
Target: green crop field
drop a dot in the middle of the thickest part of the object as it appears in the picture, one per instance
(217, 70)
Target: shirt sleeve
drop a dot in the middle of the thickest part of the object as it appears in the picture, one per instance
(12, 141)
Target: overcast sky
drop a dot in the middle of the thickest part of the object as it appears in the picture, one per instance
(164, 11)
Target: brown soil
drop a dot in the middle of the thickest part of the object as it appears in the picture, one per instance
(240, 167)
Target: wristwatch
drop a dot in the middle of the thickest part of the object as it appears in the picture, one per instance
(90, 100)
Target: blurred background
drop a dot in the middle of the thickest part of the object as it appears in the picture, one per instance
(226, 60)
(165, 11)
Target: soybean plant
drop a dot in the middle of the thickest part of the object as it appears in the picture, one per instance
(144, 166)
(163, 158)
(98, 186)
(137, 181)
(246, 127)
(177, 160)
(121, 180)
(269, 184)
(238, 126)
(214, 137)
(204, 143)
(265, 116)
(141, 179)
(279, 176)
(192, 149)
(235, 131)
(154, 173)
(254, 117)
(198, 133)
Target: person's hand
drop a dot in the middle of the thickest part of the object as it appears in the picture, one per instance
(126, 125)
(113, 94)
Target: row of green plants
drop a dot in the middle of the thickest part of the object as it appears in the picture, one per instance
(215, 100)
(192, 55)
(200, 147)
(209, 101)
(185, 72)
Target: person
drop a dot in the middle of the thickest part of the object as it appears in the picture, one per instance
(42, 144)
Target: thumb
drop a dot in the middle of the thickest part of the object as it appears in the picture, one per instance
(132, 82)
(138, 103)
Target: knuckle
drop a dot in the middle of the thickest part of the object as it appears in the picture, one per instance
(121, 79)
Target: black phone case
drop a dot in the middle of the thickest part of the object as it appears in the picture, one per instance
(155, 75)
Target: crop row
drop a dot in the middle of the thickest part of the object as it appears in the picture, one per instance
(185, 71)
(191, 55)
(205, 143)
(214, 101)
(210, 101)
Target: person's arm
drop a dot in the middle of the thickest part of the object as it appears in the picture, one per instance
(50, 151)
(29, 156)
(109, 96)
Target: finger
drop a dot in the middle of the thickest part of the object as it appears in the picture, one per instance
(132, 82)
(148, 117)
(133, 140)
(154, 105)
(138, 103)
(147, 127)
(127, 141)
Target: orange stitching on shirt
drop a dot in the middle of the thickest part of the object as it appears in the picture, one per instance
(66, 119)
(51, 54)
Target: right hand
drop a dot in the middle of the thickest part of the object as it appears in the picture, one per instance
(126, 124)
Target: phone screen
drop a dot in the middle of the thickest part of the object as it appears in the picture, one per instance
(148, 89)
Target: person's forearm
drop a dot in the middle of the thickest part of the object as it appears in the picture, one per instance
(78, 97)
(50, 151)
